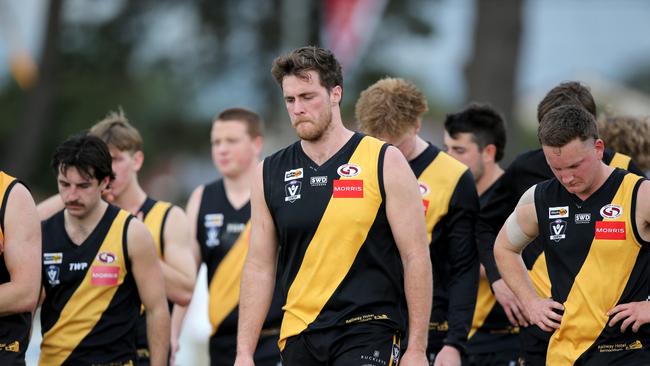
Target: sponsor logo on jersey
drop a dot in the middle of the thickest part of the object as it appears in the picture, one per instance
(79, 266)
(235, 227)
(106, 257)
(610, 230)
(583, 218)
(348, 170)
(558, 230)
(349, 188)
(212, 223)
(611, 211)
(52, 272)
(293, 174)
(425, 203)
(558, 212)
(52, 258)
(318, 181)
(292, 191)
(104, 275)
(11, 347)
(424, 189)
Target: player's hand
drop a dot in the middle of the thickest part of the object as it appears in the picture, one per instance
(541, 312)
(413, 358)
(634, 313)
(174, 346)
(511, 305)
(244, 361)
(448, 356)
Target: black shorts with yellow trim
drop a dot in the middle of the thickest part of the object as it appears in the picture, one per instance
(369, 343)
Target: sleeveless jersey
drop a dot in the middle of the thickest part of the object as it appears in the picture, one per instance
(491, 330)
(14, 329)
(223, 233)
(450, 207)
(338, 262)
(154, 215)
(91, 299)
(596, 260)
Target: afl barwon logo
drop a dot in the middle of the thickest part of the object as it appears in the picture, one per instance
(106, 257)
(611, 211)
(348, 170)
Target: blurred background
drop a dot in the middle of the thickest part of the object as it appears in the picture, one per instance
(173, 65)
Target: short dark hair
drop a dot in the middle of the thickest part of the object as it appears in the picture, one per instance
(253, 121)
(301, 60)
(567, 93)
(88, 153)
(565, 123)
(483, 122)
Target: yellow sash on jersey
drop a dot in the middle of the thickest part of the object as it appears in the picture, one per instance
(341, 232)
(5, 181)
(224, 287)
(87, 304)
(154, 222)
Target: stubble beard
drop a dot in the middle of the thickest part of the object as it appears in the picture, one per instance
(319, 129)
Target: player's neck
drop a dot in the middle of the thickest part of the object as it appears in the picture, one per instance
(80, 227)
(238, 189)
(333, 139)
(604, 171)
(132, 198)
(491, 174)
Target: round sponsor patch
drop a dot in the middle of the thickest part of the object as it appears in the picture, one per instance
(348, 170)
(611, 211)
(106, 257)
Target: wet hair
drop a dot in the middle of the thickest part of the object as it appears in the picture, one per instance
(254, 123)
(310, 58)
(567, 93)
(564, 124)
(483, 122)
(390, 107)
(87, 153)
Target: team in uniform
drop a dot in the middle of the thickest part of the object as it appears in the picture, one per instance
(341, 248)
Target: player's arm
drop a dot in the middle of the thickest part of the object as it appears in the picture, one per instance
(404, 212)
(48, 207)
(636, 314)
(518, 231)
(178, 266)
(178, 313)
(258, 277)
(21, 250)
(151, 287)
(464, 267)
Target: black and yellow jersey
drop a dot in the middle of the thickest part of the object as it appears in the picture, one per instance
(338, 262)
(596, 260)
(491, 330)
(91, 300)
(154, 214)
(14, 329)
(450, 206)
(223, 232)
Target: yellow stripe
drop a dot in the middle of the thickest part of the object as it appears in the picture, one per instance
(224, 287)
(441, 177)
(539, 277)
(154, 222)
(333, 249)
(485, 301)
(5, 181)
(396, 342)
(620, 161)
(597, 287)
(86, 306)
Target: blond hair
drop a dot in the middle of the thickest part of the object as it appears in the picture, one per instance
(390, 107)
(115, 130)
(628, 135)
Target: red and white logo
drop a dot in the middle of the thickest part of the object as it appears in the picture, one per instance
(350, 188)
(348, 170)
(424, 189)
(425, 203)
(611, 211)
(104, 275)
(610, 230)
(106, 257)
